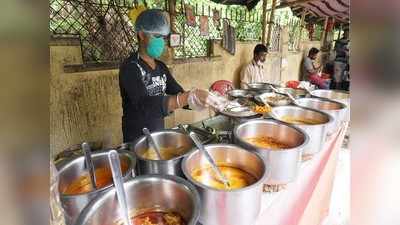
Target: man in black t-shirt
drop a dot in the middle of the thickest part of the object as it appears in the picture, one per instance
(148, 90)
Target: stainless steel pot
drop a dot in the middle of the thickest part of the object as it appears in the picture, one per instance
(164, 139)
(71, 170)
(239, 206)
(145, 193)
(317, 132)
(336, 95)
(284, 163)
(297, 93)
(336, 109)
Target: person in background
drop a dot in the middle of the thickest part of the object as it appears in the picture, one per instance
(342, 59)
(311, 71)
(254, 71)
(149, 92)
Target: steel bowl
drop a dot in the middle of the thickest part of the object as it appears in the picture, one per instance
(71, 170)
(145, 193)
(336, 109)
(261, 87)
(317, 132)
(336, 95)
(240, 93)
(164, 139)
(238, 206)
(265, 98)
(284, 163)
(295, 92)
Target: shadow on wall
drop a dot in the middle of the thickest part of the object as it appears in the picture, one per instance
(302, 75)
(236, 75)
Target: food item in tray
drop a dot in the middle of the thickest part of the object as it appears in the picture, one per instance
(166, 153)
(276, 98)
(83, 184)
(158, 218)
(266, 142)
(237, 178)
(299, 120)
(261, 109)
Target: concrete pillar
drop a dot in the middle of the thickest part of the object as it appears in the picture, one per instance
(284, 52)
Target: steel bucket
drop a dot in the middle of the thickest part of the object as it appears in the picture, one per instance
(317, 133)
(164, 193)
(239, 206)
(164, 139)
(336, 109)
(284, 163)
(73, 169)
(336, 95)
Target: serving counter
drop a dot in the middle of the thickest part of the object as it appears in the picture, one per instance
(306, 200)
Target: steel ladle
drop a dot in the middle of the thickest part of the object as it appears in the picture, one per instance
(113, 158)
(89, 164)
(214, 166)
(152, 142)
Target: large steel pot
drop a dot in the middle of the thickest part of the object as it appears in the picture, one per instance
(316, 132)
(164, 139)
(238, 206)
(336, 109)
(145, 193)
(336, 95)
(71, 170)
(284, 163)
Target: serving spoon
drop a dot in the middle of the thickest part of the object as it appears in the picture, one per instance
(152, 142)
(214, 166)
(113, 158)
(89, 163)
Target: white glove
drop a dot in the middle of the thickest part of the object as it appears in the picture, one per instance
(216, 101)
(197, 99)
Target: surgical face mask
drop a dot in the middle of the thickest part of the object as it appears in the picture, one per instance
(155, 47)
(260, 63)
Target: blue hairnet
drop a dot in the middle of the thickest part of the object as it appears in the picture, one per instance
(152, 21)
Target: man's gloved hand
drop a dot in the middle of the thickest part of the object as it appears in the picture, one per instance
(217, 101)
(199, 99)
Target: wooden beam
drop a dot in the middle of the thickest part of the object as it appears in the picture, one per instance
(302, 25)
(264, 21)
(271, 22)
(324, 32)
(172, 14)
(284, 5)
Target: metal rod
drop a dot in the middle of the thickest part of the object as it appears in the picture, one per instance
(214, 166)
(152, 142)
(89, 164)
(115, 164)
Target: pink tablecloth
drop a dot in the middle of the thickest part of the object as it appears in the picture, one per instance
(305, 201)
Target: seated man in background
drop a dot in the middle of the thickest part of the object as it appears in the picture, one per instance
(254, 71)
(311, 71)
